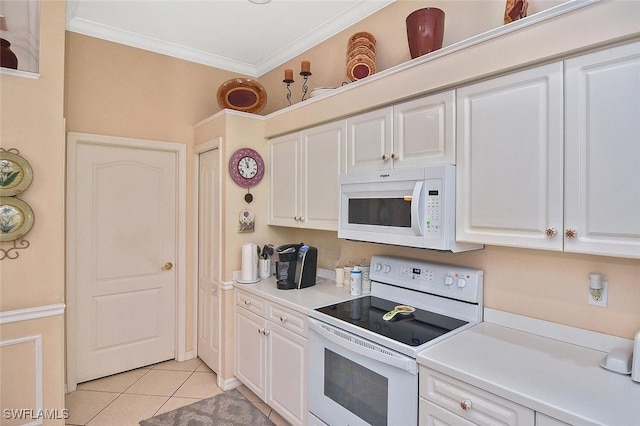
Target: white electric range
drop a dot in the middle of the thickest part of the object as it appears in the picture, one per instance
(362, 368)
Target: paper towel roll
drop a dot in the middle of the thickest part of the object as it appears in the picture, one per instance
(249, 271)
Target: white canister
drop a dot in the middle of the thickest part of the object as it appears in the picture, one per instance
(264, 268)
(366, 281)
(356, 282)
(339, 276)
(346, 273)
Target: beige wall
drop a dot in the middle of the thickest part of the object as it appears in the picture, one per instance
(463, 19)
(31, 118)
(117, 90)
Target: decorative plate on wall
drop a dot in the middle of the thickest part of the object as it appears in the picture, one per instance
(16, 218)
(242, 94)
(15, 174)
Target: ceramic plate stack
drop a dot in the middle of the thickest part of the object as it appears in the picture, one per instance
(361, 56)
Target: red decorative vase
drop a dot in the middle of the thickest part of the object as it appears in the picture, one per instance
(425, 30)
(8, 59)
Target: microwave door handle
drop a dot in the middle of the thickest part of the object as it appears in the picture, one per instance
(416, 220)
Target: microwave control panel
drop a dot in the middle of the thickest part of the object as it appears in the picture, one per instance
(433, 213)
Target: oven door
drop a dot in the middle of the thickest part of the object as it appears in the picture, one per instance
(352, 381)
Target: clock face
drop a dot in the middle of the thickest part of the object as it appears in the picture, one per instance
(246, 167)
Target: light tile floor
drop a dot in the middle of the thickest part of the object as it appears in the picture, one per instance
(127, 398)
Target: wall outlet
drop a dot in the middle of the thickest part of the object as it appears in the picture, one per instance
(603, 297)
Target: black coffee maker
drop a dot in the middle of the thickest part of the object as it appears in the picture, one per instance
(296, 266)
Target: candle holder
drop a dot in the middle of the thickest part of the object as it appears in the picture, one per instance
(305, 75)
(288, 82)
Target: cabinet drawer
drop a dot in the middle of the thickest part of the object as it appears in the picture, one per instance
(252, 303)
(434, 415)
(480, 407)
(287, 318)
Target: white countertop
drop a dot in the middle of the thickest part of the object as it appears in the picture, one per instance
(324, 293)
(559, 379)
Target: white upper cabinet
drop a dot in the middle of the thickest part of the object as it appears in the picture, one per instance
(525, 181)
(303, 177)
(602, 146)
(284, 183)
(509, 159)
(369, 144)
(410, 134)
(424, 131)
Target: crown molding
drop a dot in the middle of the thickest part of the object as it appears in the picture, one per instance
(355, 13)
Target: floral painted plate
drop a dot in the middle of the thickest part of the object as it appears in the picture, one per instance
(15, 174)
(16, 218)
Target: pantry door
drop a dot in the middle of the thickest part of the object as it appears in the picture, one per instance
(124, 208)
(209, 258)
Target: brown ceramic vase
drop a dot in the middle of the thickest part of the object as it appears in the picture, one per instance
(8, 58)
(425, 31)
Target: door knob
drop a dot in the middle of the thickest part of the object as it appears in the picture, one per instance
(167, 266)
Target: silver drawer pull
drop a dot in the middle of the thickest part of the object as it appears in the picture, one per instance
(266, 332)
(247, 302)
(283, 318)
(465, 405)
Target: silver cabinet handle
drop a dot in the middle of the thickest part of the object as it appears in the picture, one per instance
(283, 318)
(394, 156)
(385, 157)
(266, 332)
(247, 302)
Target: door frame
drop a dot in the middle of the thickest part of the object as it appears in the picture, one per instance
(73, 140)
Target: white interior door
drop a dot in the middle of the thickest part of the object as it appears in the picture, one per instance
(209, 258)
(126, 210)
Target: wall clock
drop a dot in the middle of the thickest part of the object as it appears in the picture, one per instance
(246, 167)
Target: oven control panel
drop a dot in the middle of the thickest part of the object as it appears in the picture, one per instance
(453, 281)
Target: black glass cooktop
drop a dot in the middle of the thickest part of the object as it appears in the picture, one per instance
(412, 329)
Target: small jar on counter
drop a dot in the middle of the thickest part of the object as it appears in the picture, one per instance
(356, 282)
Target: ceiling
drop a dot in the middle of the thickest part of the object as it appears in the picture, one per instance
(235, 35)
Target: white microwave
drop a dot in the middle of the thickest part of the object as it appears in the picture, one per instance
(413, 207)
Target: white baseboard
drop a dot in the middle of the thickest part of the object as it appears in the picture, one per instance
(228, 384)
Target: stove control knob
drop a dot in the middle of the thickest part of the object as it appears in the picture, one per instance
(378, 267)
(386, 269)
(448, 280)
(462, 282)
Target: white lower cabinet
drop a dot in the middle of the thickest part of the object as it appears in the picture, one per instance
(271, 354)
(448, 401)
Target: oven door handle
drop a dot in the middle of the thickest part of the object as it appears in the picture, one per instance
(416, 220)
(363, 347)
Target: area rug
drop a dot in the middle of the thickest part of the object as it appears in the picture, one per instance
(230, 408)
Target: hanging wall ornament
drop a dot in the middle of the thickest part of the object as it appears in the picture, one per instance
(247, 221)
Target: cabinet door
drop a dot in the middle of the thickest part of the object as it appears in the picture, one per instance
(286, 374)
(602, 188)
(251, 351)
(284, 185)
(322, 163)
(424, 131)
(509, 159)
(369, 144)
